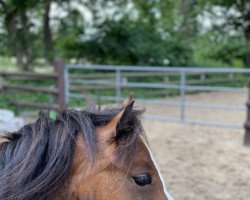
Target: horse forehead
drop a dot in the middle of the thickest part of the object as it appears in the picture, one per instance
(143, 152)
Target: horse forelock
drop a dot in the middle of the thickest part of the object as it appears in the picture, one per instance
(35, 164)
(35, 160)
(6, 137)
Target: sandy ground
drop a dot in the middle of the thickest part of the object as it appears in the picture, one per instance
(200, 162)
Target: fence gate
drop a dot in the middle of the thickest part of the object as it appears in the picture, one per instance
(173, 94)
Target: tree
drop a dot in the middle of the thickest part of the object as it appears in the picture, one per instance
(48, 41)
(47, 35)
(176, 20)
(237, 18)
(69, 35)
(18, 26)
(155, 32)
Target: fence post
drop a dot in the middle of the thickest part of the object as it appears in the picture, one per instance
(67, 84)
(247, 124)
(60, 84)
(118, 85)
(182, 95)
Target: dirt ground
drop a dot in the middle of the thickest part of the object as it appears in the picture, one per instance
(201, 162)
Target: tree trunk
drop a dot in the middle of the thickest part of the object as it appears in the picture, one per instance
(47, 36)
(27, 47)
(188, 27)
(188, 24)
(14, 42)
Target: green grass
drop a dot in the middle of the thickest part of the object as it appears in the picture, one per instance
(7, 64)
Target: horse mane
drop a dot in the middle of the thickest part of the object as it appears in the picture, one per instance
(35, 160)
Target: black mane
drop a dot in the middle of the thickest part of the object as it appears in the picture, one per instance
(37, 158)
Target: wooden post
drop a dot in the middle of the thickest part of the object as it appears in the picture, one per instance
(247, 124)
(60, 84)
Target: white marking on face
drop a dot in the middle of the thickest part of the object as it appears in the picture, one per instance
(160, 175)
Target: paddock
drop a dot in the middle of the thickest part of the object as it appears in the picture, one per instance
(203, 162)
(198, 162)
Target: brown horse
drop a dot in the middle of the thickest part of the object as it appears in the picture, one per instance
(81, 155)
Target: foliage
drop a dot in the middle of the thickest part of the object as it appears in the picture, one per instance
(234, 17)
(220, 50)
(156, 32)
(125, 42)
(69, 33)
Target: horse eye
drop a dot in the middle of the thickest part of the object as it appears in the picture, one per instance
(142, 179)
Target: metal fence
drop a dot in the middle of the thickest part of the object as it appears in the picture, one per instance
(107, 83)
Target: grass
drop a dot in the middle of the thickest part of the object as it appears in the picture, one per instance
(7, 64)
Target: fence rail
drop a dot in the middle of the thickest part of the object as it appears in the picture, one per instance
(26, 75)
(187, 70)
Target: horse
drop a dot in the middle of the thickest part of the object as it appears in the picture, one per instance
(94, 154)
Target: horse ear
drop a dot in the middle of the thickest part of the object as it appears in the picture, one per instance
(109, 131)
(127, 101)
(110, 135)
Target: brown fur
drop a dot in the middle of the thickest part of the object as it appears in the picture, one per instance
(107, 181)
